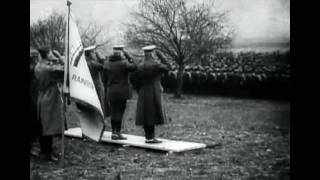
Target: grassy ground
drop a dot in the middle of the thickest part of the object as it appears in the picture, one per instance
(254, 138)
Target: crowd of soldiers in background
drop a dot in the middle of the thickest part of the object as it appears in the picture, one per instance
(252, 73)
(226, 72)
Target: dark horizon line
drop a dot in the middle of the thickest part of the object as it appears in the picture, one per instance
(263, 44)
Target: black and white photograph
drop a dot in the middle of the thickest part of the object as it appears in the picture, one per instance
(159, 89)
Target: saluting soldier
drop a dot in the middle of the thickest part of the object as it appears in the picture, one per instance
(195, 79)
(187, 79)
(203, 80)
(49, 72)
(95, 63)
(172, 78)
(116, 72)
(35, 124)
(212, 80)
(207, 84)
(149, 106)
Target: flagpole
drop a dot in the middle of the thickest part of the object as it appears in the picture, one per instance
(65, 95)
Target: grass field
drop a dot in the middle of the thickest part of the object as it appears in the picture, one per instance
(254, 138)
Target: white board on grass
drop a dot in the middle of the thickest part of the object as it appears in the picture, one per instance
(139, 141)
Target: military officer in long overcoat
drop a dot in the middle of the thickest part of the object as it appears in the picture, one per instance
(49, 73)
(149, 106)
(35, 124)
(116, 74)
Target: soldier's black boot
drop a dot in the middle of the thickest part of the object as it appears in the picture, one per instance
(114, 134)
(153, 141)
(34, 151)
(120, 136)
(46, 149)
(149, 130)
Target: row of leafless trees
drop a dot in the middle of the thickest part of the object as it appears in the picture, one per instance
(183, 30)
(51, 31)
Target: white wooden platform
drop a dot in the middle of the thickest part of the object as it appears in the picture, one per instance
(139, 141)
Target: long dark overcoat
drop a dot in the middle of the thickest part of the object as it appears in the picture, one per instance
(33, 93)
(116, 73)
(149, 105)
(49, 102)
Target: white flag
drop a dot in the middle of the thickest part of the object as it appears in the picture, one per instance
(81, 87)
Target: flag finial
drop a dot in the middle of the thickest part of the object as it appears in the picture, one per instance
(69, 2)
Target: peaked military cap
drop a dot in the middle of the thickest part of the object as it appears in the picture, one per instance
(118, 47)
(149, 48)
(90, 48)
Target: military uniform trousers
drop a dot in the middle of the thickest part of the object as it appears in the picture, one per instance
(117, 111)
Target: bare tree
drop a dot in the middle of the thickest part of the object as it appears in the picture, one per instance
(51, 32)
(93, 34)
(184, 31)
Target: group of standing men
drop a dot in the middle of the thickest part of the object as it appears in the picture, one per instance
(111, 79)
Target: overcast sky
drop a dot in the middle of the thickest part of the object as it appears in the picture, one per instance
(253, 20)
